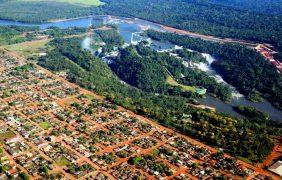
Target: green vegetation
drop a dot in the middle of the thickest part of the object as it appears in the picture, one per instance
(251, 112)
(23, 176)
(111, 37)
(45, 125)
(150, 71)
(262, 6)
(259, 21)
(172, 82)
(63, 161)
(75, 2)
(256, 117)
(15, 34)
(240, 66)
(55, 32)
(237, 137)
(28, 48)
(213, 17)
(190, 56)
(142, 72)
(42, 11)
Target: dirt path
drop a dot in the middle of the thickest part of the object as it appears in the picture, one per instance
(275, 154)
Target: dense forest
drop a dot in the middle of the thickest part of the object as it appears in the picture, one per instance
(206, 17)
(42, 11)
(261, 6)
(111, 37)
(148, 70)
(240, 66)
(142, 72)
(252, 113)
(233, 135)
(259, 20)
(242, 19)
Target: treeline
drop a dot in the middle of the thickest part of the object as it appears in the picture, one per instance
(233, 135)
(240, 66)
(259, 21)
(40, 11)
(206, 17)
(15, 34)
(56, 32)
(252, 115)
(241, 19)
(260, 6)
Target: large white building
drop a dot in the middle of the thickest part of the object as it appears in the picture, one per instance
(276, 168)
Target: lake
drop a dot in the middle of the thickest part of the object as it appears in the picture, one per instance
(130, 30)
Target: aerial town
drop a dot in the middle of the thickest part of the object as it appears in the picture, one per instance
(54, 129)
(140, 90)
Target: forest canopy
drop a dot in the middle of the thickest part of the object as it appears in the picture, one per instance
(240, 66)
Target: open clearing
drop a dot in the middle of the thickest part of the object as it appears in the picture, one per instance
(45, 125)
(76, 2)
(28, 48)
(172, 82)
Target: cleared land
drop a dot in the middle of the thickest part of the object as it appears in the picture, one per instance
(172, 82)
(28, 48)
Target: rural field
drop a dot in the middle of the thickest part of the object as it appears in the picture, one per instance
(28, 48)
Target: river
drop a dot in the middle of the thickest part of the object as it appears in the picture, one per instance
(130, 30)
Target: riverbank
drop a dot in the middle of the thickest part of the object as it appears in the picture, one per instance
(67, 19)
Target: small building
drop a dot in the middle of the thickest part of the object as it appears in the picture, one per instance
(276, 168)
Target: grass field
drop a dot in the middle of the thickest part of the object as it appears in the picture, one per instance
(45, 125)
(76, 2)
(28, 48)
(172, 82)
